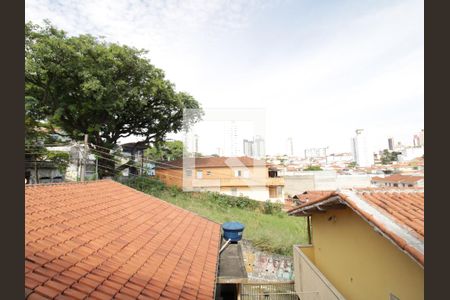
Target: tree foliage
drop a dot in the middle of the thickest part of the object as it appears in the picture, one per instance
(169, 150)
(389, 157)
(84, 85)
(313, 168)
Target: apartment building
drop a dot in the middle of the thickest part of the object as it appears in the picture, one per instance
(235, 176)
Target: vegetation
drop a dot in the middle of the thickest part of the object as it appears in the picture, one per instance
(168, 150)
(267, 227)
(313, 168)
(353, 164)
(84, 85)
(389, 157)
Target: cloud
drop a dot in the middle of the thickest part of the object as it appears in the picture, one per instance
(321, 70)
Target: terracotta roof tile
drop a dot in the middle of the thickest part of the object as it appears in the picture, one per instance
(104, 240)
(405, 208)
(398, 178)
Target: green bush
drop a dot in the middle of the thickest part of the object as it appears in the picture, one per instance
(270, 208)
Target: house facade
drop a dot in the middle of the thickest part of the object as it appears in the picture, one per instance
(364, 245)
(235, 176)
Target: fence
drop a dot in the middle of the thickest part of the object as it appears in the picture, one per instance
(268, 291)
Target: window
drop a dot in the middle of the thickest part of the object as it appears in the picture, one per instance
(246, 174)
(237, 173)
(208, 172)
(234, 191)
(275, 191)
(200, 174)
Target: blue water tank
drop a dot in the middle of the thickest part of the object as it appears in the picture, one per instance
(232, 231)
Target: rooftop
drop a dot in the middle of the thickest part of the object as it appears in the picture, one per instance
(104, 240)
(396, 178)
(397, 213)
(211, 162)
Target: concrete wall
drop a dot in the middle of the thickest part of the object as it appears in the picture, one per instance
(263, 266)
(323, 180)
(361, 263)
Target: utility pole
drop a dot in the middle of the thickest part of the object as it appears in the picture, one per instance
(84, 159)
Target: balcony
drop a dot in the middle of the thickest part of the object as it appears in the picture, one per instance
(310, 283)
(275, 181)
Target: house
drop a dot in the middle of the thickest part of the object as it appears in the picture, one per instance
(46, 171)
(398, 180)
(235, 176)
(135, 152)
(364, 245)
(104, 240)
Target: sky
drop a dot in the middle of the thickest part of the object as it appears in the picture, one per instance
(319, 69)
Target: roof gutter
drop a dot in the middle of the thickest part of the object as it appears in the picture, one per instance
(317, 205)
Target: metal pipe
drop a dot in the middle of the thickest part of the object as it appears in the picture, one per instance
(223, 247)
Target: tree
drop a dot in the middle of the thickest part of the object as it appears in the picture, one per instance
(313, 168)
(388, 157)
(353, 164)
(169, 150)
(84, 85)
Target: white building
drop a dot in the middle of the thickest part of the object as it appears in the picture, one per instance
(315, 152)
(259, 149)
(419, 139)
(362, 153)
(410, 153)
(290, 147)
(248, 148)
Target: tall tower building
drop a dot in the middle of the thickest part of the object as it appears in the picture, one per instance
(290, 147)
(248, 148)
(196, 144)
(362, 154)
(231, 140)
(391, 143)
(259, 149)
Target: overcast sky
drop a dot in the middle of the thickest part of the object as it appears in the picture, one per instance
(320, 69)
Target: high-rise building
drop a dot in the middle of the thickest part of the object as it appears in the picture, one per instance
(259, 149)
(362, 154)
(248, 148)
(233, 140)
(391, 144)
(290, 147)
(419, 139)
(195, 143)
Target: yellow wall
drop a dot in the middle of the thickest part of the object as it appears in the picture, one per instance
(360, 262)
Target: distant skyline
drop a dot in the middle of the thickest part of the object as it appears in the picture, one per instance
(320, 69)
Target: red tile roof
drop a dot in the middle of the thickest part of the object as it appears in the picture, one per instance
(309, 196)
(104, 240)
(211, 162)
(397, 178)
(399, 214)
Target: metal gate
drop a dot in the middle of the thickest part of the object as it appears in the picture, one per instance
(268, 291)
